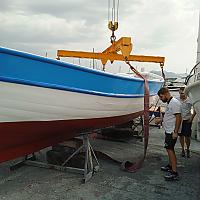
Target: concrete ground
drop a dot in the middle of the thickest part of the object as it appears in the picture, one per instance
(31, 183)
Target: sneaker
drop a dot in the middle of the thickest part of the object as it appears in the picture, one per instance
(172, 176)
(183, 153)
(167, 168)
(188, 153)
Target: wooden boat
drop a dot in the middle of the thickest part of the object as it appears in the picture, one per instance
(45, 101)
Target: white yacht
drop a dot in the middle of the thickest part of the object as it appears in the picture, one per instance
(193, 85)
(193, 80)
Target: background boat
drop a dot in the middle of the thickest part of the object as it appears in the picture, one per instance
(193, 80)
(193, 84)
(174, 85)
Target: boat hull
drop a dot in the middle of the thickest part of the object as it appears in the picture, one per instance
(45, 101)
(33, 118)
(23, 138)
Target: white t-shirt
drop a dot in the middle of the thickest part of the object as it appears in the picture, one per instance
(186, 106)
(169, 120)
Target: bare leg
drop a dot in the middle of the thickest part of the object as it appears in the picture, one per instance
(182, 141)
(173, 175)
(172, 158)
(187, 141)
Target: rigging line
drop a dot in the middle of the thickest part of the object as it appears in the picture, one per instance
(190, 74)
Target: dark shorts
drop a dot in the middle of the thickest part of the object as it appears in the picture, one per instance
(169, 141)
(186, 129)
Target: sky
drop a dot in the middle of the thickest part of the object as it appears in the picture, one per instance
(166, 28)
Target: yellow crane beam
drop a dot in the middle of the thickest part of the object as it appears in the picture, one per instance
(110, 56)
(123, 44)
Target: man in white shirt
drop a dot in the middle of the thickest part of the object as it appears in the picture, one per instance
(171, 123)
(187, 118)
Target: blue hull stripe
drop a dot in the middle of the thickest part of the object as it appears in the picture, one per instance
(28, 69)
(60, 87)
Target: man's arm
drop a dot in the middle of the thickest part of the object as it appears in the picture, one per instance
(192, 116)
(194, 112)
(177, 125)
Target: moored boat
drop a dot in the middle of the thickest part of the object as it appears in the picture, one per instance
(193, 80)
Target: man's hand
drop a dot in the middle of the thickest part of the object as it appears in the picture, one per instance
(177, 125)
(174, 135)
(189, 120)
(158, 120)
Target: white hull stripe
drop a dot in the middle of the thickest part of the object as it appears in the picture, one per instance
(29, 103)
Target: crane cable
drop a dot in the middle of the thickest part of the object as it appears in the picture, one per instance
(113, 20)
(114, 11)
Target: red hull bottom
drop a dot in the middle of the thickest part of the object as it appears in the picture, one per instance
(23, 138)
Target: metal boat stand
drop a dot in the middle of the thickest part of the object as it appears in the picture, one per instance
(138, 132)
(90, 167)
